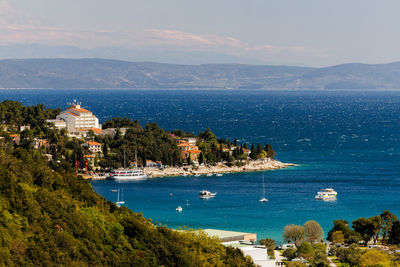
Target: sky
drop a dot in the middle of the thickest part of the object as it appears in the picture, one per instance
(270, 32)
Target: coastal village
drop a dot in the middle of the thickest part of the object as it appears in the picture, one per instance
(81, 124)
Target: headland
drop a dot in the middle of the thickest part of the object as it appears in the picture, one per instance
(251, 166)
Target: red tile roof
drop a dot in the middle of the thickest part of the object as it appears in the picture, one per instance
(81, 110)
(72, 113)
(93, 143)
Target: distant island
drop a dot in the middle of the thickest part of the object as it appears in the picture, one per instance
(115, 74)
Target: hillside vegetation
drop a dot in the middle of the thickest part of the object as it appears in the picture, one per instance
(54, 218)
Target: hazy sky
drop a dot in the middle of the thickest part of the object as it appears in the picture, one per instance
(295, 32)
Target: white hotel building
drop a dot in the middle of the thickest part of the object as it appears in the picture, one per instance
(79, 120)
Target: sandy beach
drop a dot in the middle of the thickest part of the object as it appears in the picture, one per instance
(256, 165)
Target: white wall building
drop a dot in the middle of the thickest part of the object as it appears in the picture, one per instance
(78, 119)
(59, 124)
(93, 146)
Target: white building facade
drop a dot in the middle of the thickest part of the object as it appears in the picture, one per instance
(59, 124)
(78, 119)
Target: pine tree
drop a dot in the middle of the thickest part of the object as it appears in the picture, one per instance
(270, 151)
(105, 151)
(394, 234)
(253, 153)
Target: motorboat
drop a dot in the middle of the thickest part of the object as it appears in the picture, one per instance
(263, 199)
(179, 209)
(326, 194)
(204, 194)
(219, 174)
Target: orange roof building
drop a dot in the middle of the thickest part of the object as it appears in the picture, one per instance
(93, 146)
(188, 150)
(79, 120)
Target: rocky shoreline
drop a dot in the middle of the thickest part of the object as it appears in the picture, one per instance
(252, 166)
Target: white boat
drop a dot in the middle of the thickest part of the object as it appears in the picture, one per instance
(128, 174)
(197, 175)
(263, 199)
(121, 201)
(179, 209)
(219, 174)
(204, 194)
(209, 174)
(326, 194)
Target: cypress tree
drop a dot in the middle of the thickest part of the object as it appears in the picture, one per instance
(394, 233)
(253, 153)
(105, 151)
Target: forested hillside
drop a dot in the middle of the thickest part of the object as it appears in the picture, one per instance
(54, 218)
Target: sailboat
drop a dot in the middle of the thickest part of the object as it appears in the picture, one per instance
(120, 202)
(263, 199)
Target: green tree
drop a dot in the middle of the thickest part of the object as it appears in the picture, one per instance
(105, 149)
(320, 259)
(313, 231)
(290, 253)
(320, 247)
(337, 237)
(207, 135)
(253, 152)
(270, 245)
(394, 233)
(365, 228)
(293, 233)
(376, 222)
(388, 219)
(349, 255)
(270, 151)
(201, 158)
(374, 257)
(350, 236)
(305, 248)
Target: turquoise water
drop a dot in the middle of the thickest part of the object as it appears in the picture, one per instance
(345, 140)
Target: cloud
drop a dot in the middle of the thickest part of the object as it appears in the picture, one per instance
(18, 28)
(174, 37)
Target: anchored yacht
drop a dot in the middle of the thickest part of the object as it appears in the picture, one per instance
(204, 194)
(326, 194)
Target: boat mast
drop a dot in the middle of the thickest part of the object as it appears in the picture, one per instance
(263, 185)
(124, 160)
(137, 165)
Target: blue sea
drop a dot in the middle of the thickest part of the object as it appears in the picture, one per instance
(347, 140)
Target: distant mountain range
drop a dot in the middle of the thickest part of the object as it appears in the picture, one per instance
(115, 74)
